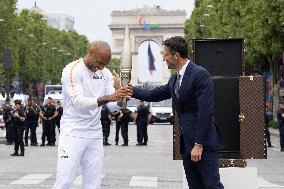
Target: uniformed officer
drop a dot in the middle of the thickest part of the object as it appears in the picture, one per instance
(7, 116)
(280, 117)
(117, 125)
(18, 120)
(48, 113)
(142, 121)
(106, 121)
(57, 119)
(31, 112)
(268, 117)
(124, 117)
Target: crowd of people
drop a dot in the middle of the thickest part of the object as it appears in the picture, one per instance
(21, 123)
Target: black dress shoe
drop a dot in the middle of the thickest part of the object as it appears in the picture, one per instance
(139, 144)
(26, 144)
(116, 143)
(34, 144)
(22, 154)
(270, 146)
(107, 144)
(282, 150)
(144, 143)
(42, 144)
(15, 154)
(124, 144)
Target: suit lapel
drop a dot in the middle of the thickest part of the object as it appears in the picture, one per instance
(185, 78)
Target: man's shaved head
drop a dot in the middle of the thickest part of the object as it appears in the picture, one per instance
(98, 56)
(100, 46)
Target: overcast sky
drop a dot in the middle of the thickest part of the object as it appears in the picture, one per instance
(92, 17)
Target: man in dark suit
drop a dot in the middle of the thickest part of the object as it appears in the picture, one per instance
(191, 90)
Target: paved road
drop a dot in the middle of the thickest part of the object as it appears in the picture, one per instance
(125, 167)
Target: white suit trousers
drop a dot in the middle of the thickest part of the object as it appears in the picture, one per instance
(74, 152)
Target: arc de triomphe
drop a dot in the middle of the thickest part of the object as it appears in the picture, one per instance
(145, 24)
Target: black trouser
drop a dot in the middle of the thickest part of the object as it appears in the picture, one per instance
(57, 123)
(9, 132)
(142, 131)
(117, 128)
(124, 131)
(19, 142)
(281, 132)
(48, 130)
(106, 129)
(31, 126)
(267, 135)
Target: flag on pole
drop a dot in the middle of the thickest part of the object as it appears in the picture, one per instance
(151, 60)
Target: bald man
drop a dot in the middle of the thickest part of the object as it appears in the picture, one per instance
(86, 85)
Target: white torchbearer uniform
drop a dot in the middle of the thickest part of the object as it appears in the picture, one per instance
(81, 138)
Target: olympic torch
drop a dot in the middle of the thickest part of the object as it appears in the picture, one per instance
(125, 66)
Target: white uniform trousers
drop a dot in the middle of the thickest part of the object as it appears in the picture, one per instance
(75, 151)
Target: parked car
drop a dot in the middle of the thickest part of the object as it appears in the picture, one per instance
(161, 111)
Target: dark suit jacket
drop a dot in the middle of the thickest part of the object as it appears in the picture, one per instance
(195, 107)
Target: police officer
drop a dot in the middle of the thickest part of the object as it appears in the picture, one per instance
(142, 121)
(31, 112)
(117, 125)
(268, 117)
(280, 117)
(48, 113)
(106, 121)
(18, 119)
(7, 116)
(57, 119)
(124, 118)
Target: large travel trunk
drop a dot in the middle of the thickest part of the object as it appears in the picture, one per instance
(239, 102)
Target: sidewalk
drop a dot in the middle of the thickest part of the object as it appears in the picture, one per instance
(274, 132)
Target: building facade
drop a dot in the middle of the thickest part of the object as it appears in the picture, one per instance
(145, 24)
(60, 21)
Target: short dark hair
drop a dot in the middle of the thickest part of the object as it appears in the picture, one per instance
(177, 44)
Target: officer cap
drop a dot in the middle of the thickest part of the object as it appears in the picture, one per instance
(7, 99)
(17, 101)
(49, 98)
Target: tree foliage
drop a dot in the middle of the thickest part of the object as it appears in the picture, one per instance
(39, 52)
(259, 22)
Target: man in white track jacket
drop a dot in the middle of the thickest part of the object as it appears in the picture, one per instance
(86, 85)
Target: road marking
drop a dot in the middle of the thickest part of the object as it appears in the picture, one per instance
(140, 181)
(32, 179)
(78, 180)
(262, 183)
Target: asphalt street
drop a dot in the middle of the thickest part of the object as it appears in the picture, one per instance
(125, 166)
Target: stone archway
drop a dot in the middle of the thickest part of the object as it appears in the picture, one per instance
(161, 24)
